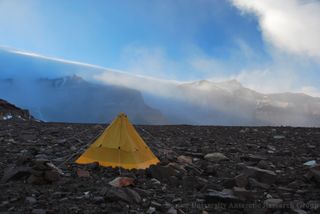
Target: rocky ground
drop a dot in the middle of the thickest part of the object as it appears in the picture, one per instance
(204, 169)
(9, 111)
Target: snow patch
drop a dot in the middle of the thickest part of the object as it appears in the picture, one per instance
(7, 117)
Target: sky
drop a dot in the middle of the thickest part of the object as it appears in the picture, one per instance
(267, 45)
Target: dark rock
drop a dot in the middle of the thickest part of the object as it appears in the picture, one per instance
(36, 180)
(31, 200)
(241, 180)
(104, 191)
(135, 197)
(15, 172)
(191, 182)
(263, 164)
(38, 211)
(253, 158)
(228, 183)
(40, 164)
(212, 170)
(244, 194)
(38, 173)
(315, 173)
(123, 194)
(297, 211)
(262, 175)
(155, 204)
(225, 195)
(172, 210)
(143, 192)
(151, 210)
(51, 176)
(98, 200)
(176, 200)
(254, 183)
(162, 173)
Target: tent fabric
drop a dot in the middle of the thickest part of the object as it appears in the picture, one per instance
(119, 146)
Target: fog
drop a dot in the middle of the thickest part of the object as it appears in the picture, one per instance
(67, 91)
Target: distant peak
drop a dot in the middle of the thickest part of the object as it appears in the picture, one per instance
(63, 81)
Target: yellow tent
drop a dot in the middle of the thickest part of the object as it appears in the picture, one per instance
(119, 146)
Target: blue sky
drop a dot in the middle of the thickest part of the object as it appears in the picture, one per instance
(173, 39)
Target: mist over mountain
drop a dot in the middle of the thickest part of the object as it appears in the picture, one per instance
(66, 91)
(72, 99)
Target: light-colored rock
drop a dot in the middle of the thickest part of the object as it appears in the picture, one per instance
(184, 159)
(215, 157)
(121, 182)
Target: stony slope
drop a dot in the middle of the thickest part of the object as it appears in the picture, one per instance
(204, 169)
(9, 111)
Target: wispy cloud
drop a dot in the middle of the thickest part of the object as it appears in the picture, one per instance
(26, 53)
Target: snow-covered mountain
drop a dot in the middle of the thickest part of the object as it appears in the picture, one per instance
(61, 90)
(252, 107)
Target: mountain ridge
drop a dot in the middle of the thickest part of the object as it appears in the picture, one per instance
(202, 102)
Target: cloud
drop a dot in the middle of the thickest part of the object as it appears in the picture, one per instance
(268, 80)
(149, 61)
(279, 73)
(26, 53)
(291, 26)
(310, 90)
